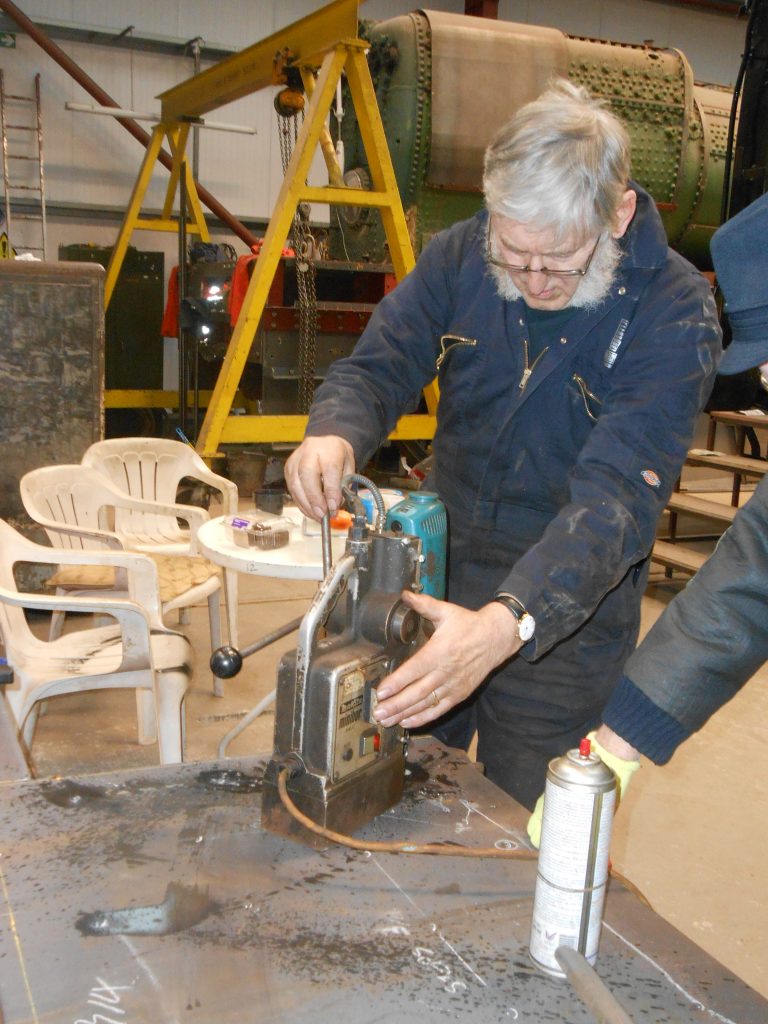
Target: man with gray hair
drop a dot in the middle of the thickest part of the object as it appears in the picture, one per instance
(574, 350)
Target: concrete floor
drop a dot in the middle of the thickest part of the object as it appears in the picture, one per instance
(691, 836)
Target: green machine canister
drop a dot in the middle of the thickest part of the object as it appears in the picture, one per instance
(422, 515)
(579, 800)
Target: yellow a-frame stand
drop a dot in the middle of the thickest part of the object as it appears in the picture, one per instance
(325, 40)
(177, 135)
(347, 56)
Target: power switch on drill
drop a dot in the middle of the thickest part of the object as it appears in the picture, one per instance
(370, 743)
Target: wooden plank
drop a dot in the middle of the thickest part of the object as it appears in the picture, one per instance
(677, 556)
(701, 507)
(728, 463)
(739, 419)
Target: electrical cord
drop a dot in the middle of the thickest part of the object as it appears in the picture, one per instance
(432, 849)
(374, 846)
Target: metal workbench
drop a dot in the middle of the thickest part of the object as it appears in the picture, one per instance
(154, 896)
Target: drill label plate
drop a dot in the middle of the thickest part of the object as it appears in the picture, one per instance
(354, 684)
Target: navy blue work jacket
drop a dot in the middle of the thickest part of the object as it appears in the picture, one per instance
(708, 643)
(553, 491)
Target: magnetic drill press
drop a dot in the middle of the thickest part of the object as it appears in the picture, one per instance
(342, 767)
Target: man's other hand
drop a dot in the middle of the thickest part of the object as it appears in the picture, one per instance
(314, 472)
(463, 649)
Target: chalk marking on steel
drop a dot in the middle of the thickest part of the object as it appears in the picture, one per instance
(675, 984)
(440, 935)
(17, 944)
(461, 959)
(473, 809)
(153, 980)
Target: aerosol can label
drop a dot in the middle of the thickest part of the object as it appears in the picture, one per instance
(573, 859)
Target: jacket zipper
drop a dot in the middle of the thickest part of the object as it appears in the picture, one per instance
(457, 340)
(528, 370)
(586, 395)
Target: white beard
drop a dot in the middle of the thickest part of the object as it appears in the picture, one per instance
(592, 289)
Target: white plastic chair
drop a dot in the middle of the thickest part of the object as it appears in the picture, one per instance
(151, 468)
(137, 652)
(76, 505)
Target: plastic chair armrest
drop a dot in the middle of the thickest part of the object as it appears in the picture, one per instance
(86, 532)
(133, 620)
(143, 582)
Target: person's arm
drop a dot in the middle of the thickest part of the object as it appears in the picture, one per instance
(708, 642)
(364, 395)
(614, 744)
(627, 469)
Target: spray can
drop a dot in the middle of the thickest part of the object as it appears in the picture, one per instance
(579, 800)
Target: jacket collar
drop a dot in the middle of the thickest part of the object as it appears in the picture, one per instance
(645, 242)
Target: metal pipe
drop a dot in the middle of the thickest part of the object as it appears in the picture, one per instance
(244, 723)
(218, 126)
(253, 714)
(195, 47)
(182, 280)
(102, 97)
(325, 533)
(270, 638)
(590, 988)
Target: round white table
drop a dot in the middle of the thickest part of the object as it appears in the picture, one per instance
(300, 559)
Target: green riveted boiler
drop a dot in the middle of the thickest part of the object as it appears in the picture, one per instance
(446, 82)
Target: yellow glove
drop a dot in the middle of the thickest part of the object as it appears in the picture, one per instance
(624, 771)
(533, 827)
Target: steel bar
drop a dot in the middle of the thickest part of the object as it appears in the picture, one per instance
(219, 126)
(590, 988)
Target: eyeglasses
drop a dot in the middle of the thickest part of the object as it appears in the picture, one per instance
(517, 269)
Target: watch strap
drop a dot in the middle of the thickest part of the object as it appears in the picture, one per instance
(512, 603)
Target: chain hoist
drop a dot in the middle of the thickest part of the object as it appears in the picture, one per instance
(303, 244)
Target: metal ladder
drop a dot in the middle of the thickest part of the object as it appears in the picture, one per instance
(33, 130)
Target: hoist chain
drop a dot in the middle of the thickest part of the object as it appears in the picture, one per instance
(303, 244)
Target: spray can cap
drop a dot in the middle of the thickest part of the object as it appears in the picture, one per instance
(585, 747)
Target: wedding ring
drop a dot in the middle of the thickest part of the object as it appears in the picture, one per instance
(435, 699)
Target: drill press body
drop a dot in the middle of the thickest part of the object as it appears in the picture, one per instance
(344, 767)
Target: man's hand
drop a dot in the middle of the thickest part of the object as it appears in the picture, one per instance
(463, 649)
(314, 472)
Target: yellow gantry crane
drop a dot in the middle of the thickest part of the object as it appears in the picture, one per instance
(323, 46)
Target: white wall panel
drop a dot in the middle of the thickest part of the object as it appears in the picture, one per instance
(713, 45)
(93, 160)
(581, 19)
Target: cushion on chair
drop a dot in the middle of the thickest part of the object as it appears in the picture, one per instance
(177, 575)
(83, 577)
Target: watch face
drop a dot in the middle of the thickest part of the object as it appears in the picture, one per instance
(525, 627)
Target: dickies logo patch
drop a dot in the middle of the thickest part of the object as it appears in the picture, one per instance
(651, 478)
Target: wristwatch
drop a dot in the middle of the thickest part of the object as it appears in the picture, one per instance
(526, 624)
